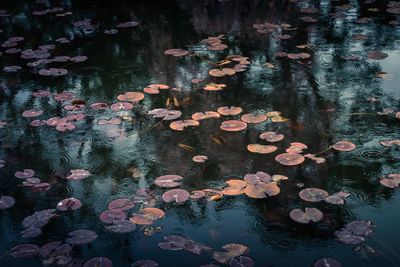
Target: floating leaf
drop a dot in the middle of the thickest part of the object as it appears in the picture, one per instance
(214, 86)
(121, 204)
(176, 52)
(111, 121)
(272, 137)
(198, 116)
(147, 216)
(222, 72)
(24, 251)
(392, 180)
(78, 174)
(121, 227)
(310, 215)
(233, 250)
(166, 114)
(177, 195)
(6, 202)
(354, 232)
(32, 113)
(233, 126)
(327, 262)
(241, 261)
(121, 106)
(344, 146)
(197, 194)
(25, 174)
(337, 198)
(313, 194)
(200, 158)
(261, 149)
(229, 111)
(253, 118)
(154, 89)
(296, 147)
(133, 97)
(168, 180)
(109, 216)
(377, 55)
(182, 124)
(69, 204)
(289, 159)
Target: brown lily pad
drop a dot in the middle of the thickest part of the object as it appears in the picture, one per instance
(289, 159)
(233, 126)
(261, 149)
(253, 118)
(313, 194)
(309, 215)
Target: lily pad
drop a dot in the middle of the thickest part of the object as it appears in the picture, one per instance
(170, 180)
(182, 124)
(69, 204)
(176, 195)
(233, 126)
(313, 194)
(289, 159)
(309, 215)
(344, 146)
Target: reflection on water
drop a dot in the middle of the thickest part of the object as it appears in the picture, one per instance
(322, 96)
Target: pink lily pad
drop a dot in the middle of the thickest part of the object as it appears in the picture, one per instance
(64, 126)
(109, 216)
(111, 121)
(121, 106)
(166, 114)
(78, 174)
(99, 106)
(121, 204)
(344, 146)
(37, 123)
(32, 113)
(69, 204)
(168, 180)
(41, 93)
(176, 195)
(132, 97)
(25, 174)
(289, 159)
(64, 96)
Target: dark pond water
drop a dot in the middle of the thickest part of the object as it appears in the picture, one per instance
(344, 86)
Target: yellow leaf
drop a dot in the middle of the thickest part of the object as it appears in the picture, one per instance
(186, 147)
(176, 102)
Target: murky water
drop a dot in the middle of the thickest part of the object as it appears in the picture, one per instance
(335, 91)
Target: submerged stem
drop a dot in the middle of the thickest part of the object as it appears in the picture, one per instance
(323, 151)
(387, 247)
